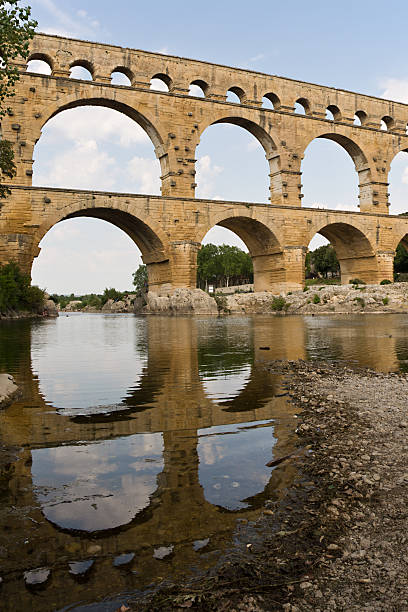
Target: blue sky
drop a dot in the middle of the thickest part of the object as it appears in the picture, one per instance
(356, 46)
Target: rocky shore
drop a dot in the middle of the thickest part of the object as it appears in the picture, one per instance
(323, 299)
(338, 540)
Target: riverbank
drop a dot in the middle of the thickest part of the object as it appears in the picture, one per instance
(338, 539)
(323, 299)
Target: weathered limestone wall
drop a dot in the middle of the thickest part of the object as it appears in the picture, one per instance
(276, 236)
(169, 230)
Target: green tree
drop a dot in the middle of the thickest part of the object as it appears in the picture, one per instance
(401, 259)
(324, 260)
(16, 31)
(223, 265)
(140, 279)
(16, 293)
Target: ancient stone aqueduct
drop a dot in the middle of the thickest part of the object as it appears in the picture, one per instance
(169, 228)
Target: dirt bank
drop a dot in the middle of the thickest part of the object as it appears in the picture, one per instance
(338, 540)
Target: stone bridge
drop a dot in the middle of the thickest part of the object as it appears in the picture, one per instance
(169, 229)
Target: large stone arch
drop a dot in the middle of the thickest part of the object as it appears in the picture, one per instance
(264, 246)
(150, 124)
(145, 233)
(360, 160)
(354, 250)
(262, 133)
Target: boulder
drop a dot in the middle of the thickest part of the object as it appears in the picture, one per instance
(180, 301)
(8, 390)
(50, 308)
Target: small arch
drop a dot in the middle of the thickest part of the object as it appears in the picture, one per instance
(198, 89)
(387, 123)
(40, 63)
(271, 100)
(160, 82)
(302, 106)
(360, 118)
(236, 95)
(333, 113)
(122, 75)
(82, 69)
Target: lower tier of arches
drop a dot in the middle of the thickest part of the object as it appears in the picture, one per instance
(169, 233)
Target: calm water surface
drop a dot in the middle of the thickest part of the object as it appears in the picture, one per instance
(145, 442)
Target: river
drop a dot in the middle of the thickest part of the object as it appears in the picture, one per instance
(141, 443)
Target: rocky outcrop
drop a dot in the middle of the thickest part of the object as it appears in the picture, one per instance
(50, 308)
(125, 305)
(180, 301)
(326, 299)
(8, 390)
(72, 306)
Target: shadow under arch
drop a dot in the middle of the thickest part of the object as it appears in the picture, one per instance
(358, 157)
(144, 233)
(354, 251)
(263, 246)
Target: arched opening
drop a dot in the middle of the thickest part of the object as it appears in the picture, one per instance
(82, 70)
(198, 89)
(98, 148)
(253, 240)
(302, 106)
(39, 64)
(122, 76)
(235, 95)
(398, 184)
(387, 123)
(233, 161)
(360, 118)
(332, 169)
(160, 82)
(333, 113)
(271, 100)
(353, 250)
(90, 249)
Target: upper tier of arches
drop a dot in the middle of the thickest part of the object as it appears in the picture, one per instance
(215, 81)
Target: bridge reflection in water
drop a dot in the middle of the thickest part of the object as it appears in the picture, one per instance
(160, 448)
(166, 466)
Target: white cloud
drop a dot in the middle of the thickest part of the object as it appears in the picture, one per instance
(395, 89)
(144, 172)
(405, 176)
(82, 124)
(62, 23)
(206, 176)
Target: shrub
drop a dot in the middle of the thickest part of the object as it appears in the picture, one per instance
(305, 289)
(360, 301)
(386, 300)
(385, 282)
(221, 303)
(279, 303)
(316, 299)
(16, 292)
(356, 281)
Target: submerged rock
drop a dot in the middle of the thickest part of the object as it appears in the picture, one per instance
(36, 577)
